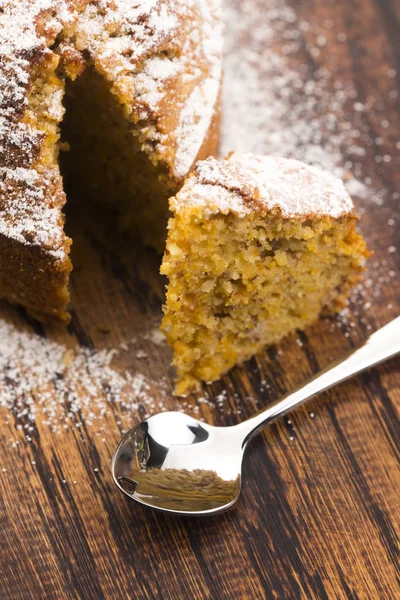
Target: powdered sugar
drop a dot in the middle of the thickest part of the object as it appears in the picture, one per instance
(43, 379)
(138, 28)
(151, 47)
(195, 120)
(198, 112)
(27, 214)
(23, 40)
(141, 48)
(34, 221)
(259, 183)
(269, 107)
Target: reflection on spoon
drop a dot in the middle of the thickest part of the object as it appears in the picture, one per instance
(179, 488)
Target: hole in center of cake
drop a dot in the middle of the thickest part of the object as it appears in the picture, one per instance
(105, 169)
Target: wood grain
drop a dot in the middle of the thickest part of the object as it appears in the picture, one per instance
(320, 513)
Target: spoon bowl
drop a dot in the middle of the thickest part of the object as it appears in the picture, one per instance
(176, 464)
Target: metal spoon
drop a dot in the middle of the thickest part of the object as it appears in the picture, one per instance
(179, 465)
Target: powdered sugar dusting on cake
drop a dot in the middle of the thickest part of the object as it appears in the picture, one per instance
(26, 29)
(194, 123)
(18, 143)
(123, 32)
(246, 183)
(27, 215)
(133, 44)
(199, 110)
(140, 47)
(33, 221)
(295, 187)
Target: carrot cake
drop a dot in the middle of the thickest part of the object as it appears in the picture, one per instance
(257, 247)
(140, 83)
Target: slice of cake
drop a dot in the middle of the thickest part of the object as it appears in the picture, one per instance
(258, 246)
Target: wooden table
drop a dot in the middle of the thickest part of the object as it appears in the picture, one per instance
(320, 511)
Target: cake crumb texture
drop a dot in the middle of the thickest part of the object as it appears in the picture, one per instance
(257, 247)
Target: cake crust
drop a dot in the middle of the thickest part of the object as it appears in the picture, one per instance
(246, 183)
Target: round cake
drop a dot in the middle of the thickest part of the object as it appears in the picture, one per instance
(139, 83)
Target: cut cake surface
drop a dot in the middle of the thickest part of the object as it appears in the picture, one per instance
(258, 247)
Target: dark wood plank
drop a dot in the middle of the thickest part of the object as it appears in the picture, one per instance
(319, 516)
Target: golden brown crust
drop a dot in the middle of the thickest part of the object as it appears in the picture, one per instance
(33, 278)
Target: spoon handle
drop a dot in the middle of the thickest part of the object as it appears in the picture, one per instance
(380, 346)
